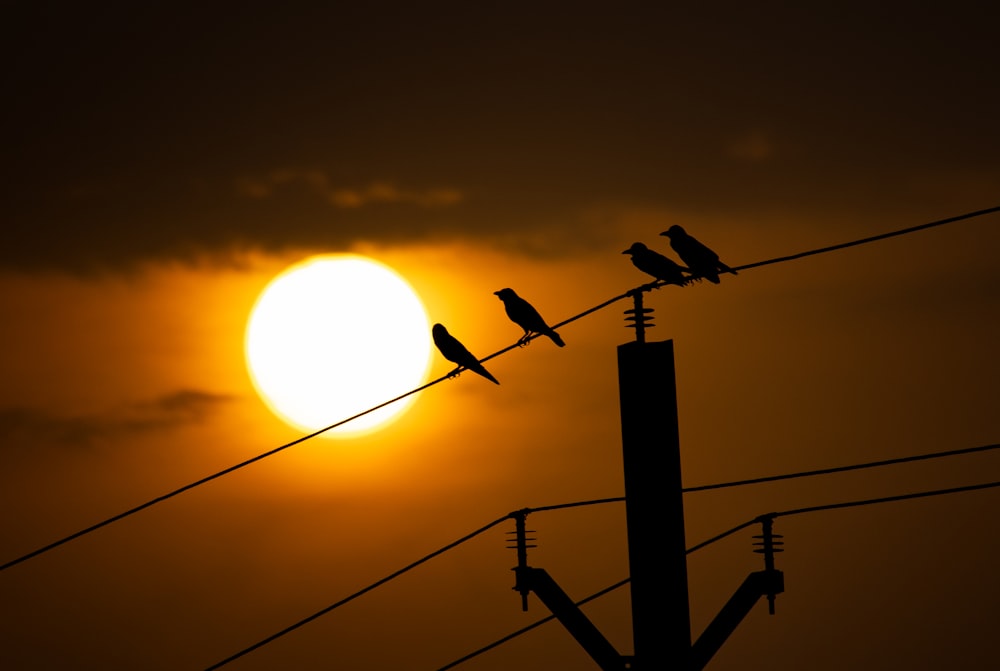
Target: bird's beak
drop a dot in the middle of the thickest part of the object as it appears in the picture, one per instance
(626, 251)
(496, 293)
(663, 233)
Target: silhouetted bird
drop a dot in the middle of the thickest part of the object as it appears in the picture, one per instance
(523, 313)
(656, 264)
(701, 260)
(455, 352)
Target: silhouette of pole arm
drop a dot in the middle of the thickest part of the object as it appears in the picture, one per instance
(562, 607)
(757, 585)
(589, 637)
(767, 583)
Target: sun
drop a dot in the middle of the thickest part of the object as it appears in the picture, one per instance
(333, 336)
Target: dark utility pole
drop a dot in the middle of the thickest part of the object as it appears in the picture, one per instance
(654, 516)
(654, 506)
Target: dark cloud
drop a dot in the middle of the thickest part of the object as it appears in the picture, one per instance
(21, 427)
(145, 133)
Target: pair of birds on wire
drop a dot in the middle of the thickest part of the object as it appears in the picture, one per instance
(520, 311)
(701, 261)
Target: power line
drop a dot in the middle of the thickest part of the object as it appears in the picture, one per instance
(430, 556)
(785, 476)
(724, 534)
(887, 499)
(846, 504)
(782, 259)
(531, 626)
(377, 583)
(842, 469)
(862, 241)
(645, 287)
(690, 550)
(214, 476)
(798, 511)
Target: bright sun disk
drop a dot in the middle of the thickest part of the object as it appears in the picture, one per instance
(333, 336)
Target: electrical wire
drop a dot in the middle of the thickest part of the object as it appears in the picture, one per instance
(760, 518)
(874, 238)
(214, 476)
(694, 548)
(782, 259)
(531, 626)
(887, 499)
(350, 598)
(646, 287)
(430, 556)
(784, 476)
(842, 469)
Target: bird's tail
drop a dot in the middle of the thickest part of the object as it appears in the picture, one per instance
(485, 373)
(555, 338)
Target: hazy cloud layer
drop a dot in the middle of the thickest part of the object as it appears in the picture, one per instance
(21, 427)
(372, 193)
(137, 134)
(754, 146)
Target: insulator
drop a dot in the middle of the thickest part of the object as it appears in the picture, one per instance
(638, 317)
(521, 545)
(521, 540)
(769, 543)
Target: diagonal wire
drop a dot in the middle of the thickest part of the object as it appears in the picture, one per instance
(214, 476)
(360, 592)
(437, 552)
(538, 623)
(797, 511)
(533, 625)
(780, 259)
(888, 499)
(842, 469)
(631, 292)
(783, 476)
(874, 238)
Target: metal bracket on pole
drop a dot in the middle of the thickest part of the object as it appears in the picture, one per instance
(768, 583)
(769, 546)
(529, 579)
(521, 544)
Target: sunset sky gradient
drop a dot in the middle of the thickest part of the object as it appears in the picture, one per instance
(165, 161)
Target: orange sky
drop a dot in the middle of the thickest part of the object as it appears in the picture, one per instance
(168, 164)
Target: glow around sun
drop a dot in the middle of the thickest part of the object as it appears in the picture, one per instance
(333, 336)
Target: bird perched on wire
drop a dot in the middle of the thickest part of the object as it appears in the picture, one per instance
(454, 351)
(524, 314)
(656, 264)
(701, 260)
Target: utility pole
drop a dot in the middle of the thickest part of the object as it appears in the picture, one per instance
(654, 517)
(654, 501)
